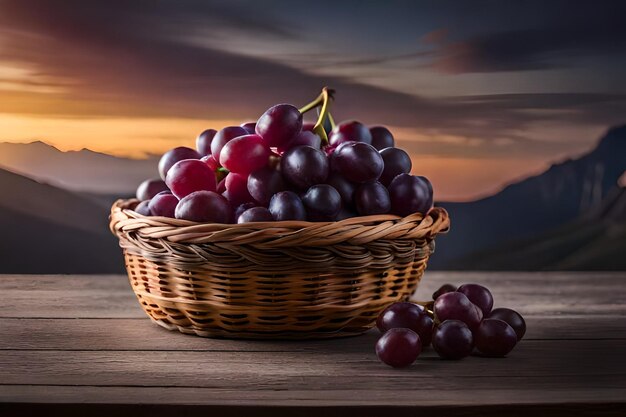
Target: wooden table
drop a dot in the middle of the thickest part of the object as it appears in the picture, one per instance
(80, 345)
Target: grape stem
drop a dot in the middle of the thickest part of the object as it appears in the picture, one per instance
(322, 100)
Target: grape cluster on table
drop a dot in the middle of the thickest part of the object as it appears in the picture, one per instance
(461, 321)
(278, 169)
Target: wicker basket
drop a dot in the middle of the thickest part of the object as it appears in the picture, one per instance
(291, 280)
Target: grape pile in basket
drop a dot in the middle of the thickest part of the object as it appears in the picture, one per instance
(458, 322)
(280, 168)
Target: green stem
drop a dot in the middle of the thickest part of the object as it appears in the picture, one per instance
(331, 120)
(319, 126)
(312, 104)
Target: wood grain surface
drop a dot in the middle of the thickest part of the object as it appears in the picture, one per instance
(80, 345)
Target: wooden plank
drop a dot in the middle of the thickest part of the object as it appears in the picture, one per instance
(534, 365)
(142, 334)
(111, 297)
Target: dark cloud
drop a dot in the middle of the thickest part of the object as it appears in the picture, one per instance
(563, 34)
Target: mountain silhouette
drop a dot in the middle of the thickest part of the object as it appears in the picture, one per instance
(536, 205)
(83, 170)
(46, 229)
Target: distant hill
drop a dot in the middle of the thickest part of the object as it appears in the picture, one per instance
(46, 229)
(82, 170)
(535, 205)
(596, 241)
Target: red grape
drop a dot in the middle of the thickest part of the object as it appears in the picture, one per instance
(381, 137)
(221, 186)
(456, 306)
(396, 162)
(494, 337)
(410, 194)
(478, 295)
(245, 154)
(452, 339)
(512, 317)
(308, 126)
(172, 156)
(372, 198)
(398, 347)
(286, 205)
(203, 141)
(249, 126)
(237, 188)
(205, 207)
(322, 202)
(255, 214)
(143, 208)
(163, 205)
(150, 188)
(445, 288)
(350, 131)
(190, 175)
(279, 124)
(264, 183)
(210, 162)
(304, 166)
(357, 162)
(224, 136)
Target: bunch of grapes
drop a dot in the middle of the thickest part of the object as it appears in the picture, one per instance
(461, 320)
(281, 168)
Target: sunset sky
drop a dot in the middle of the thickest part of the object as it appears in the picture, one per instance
(479, 92)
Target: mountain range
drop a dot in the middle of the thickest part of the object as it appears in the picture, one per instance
(533, 206)
(106, 174)
(572, 216)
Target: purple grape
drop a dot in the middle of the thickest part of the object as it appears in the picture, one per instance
(396, 162)
(478, 295)
(398, 347)
(224, 136)
(445, 288)
(322, 202)
(237, 189)
(452, 339)
(150, 188)
(279, 124)
(203, 141)
(372, 198)
(205, 207)
(424, 328)
(250, 127)
(264, 183)
(304, 138)
(399, 315)
(143, 208)
(512, 317)
(255, 214)
(357, 162)
(495, 337)
(308, 126)
(286, 205)
(381, 137)
(190, 175)
(163, 205)
(350, 131)
(410, 194)
(344, 187)
(243, 207)
(172, 156)
(304, 166)
(456, 306)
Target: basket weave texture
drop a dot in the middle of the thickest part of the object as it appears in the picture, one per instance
(291, 280)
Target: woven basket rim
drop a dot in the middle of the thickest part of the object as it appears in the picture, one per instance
(356, 230)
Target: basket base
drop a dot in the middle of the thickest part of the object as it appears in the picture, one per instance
(223, 334)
